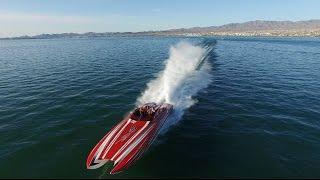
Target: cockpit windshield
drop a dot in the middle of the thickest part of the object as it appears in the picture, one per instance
(145, 112)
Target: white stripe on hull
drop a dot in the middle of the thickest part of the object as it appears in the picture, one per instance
(100, 149)
(100, 163)
(132, 146)
(130, 140)
(116, 137)
(96, 155)
(129, 149)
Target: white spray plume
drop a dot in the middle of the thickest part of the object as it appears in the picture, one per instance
(186, 73)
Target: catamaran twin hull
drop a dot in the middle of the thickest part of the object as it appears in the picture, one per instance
(129, 139)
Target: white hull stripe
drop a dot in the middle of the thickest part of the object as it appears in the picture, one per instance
(129, 149)
(116, 137)
(130, 140)
(139, 140)
(99, 151)
(100, 163)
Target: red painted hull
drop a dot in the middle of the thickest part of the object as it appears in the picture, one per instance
(128, 140)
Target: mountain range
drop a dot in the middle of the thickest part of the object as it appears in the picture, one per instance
(258, 25)
(250, 28)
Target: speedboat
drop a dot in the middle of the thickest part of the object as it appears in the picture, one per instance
(129, 139)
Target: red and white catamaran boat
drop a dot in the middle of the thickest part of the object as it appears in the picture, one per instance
(129, 139)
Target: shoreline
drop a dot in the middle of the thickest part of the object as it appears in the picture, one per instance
(166, 35)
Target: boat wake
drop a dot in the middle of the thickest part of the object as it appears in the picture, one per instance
(187, 71)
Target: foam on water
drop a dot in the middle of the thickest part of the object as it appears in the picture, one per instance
(186, 72)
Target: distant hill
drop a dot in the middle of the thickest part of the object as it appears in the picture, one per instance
(250, 28)
(257, 25)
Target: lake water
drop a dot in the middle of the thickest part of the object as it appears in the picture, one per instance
(254, 109)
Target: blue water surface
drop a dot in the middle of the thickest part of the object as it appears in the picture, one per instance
(258, 118)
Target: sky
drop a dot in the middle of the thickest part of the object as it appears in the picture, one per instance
(32, 17)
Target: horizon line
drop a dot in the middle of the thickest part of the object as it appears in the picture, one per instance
(124, 32)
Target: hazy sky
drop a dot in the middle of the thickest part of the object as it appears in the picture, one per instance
(30, 17)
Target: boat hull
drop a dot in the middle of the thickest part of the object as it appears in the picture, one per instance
(128, 140)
